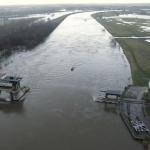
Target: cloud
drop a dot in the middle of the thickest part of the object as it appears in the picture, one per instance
(13, 2)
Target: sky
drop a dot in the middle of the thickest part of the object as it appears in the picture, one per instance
(21, 2)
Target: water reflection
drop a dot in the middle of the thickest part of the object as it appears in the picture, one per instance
(12, 108)
(5, 54)
(111, 108)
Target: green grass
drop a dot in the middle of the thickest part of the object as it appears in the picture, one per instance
(148, 110)
(138, 54)
(136, 50)
(123, 29)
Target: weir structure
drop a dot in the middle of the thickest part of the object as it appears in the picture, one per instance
(131, 108)
(11, 90)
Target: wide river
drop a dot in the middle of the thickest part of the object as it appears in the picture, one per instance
(60, 112)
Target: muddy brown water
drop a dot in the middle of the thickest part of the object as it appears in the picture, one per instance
(60, 112)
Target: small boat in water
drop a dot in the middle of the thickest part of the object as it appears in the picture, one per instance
(11, 91)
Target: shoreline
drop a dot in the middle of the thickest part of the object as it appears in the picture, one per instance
(34, 34)
(139, 75)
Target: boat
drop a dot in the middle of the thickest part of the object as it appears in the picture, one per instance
(11, 90)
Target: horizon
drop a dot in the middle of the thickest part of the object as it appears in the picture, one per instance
(72, 2)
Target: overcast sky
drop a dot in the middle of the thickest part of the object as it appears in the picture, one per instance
(14, 2)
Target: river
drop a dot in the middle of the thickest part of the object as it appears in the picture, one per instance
(65, 75)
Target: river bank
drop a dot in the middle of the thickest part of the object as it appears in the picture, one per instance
(136, 50)
(25, 33)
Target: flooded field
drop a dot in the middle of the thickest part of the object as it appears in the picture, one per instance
(131, 30)
(46, 16)
(65, 74)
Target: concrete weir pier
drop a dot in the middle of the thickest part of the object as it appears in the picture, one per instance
(133, 113)
(11, 90)
(110, 96)
(131, 107)
(113, 93)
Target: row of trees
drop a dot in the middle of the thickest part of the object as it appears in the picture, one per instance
(26, 33)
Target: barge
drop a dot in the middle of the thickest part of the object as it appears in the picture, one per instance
(136, 127)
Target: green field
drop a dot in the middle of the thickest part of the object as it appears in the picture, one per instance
(136, 50)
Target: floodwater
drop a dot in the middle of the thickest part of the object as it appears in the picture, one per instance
(65, 74)
(147, 17)
(132, 37)
(147, 41)
(46, 17)
(145, 28)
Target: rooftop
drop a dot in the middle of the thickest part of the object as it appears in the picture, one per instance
(10, 79)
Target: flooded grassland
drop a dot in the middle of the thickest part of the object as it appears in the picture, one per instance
(133, 34)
